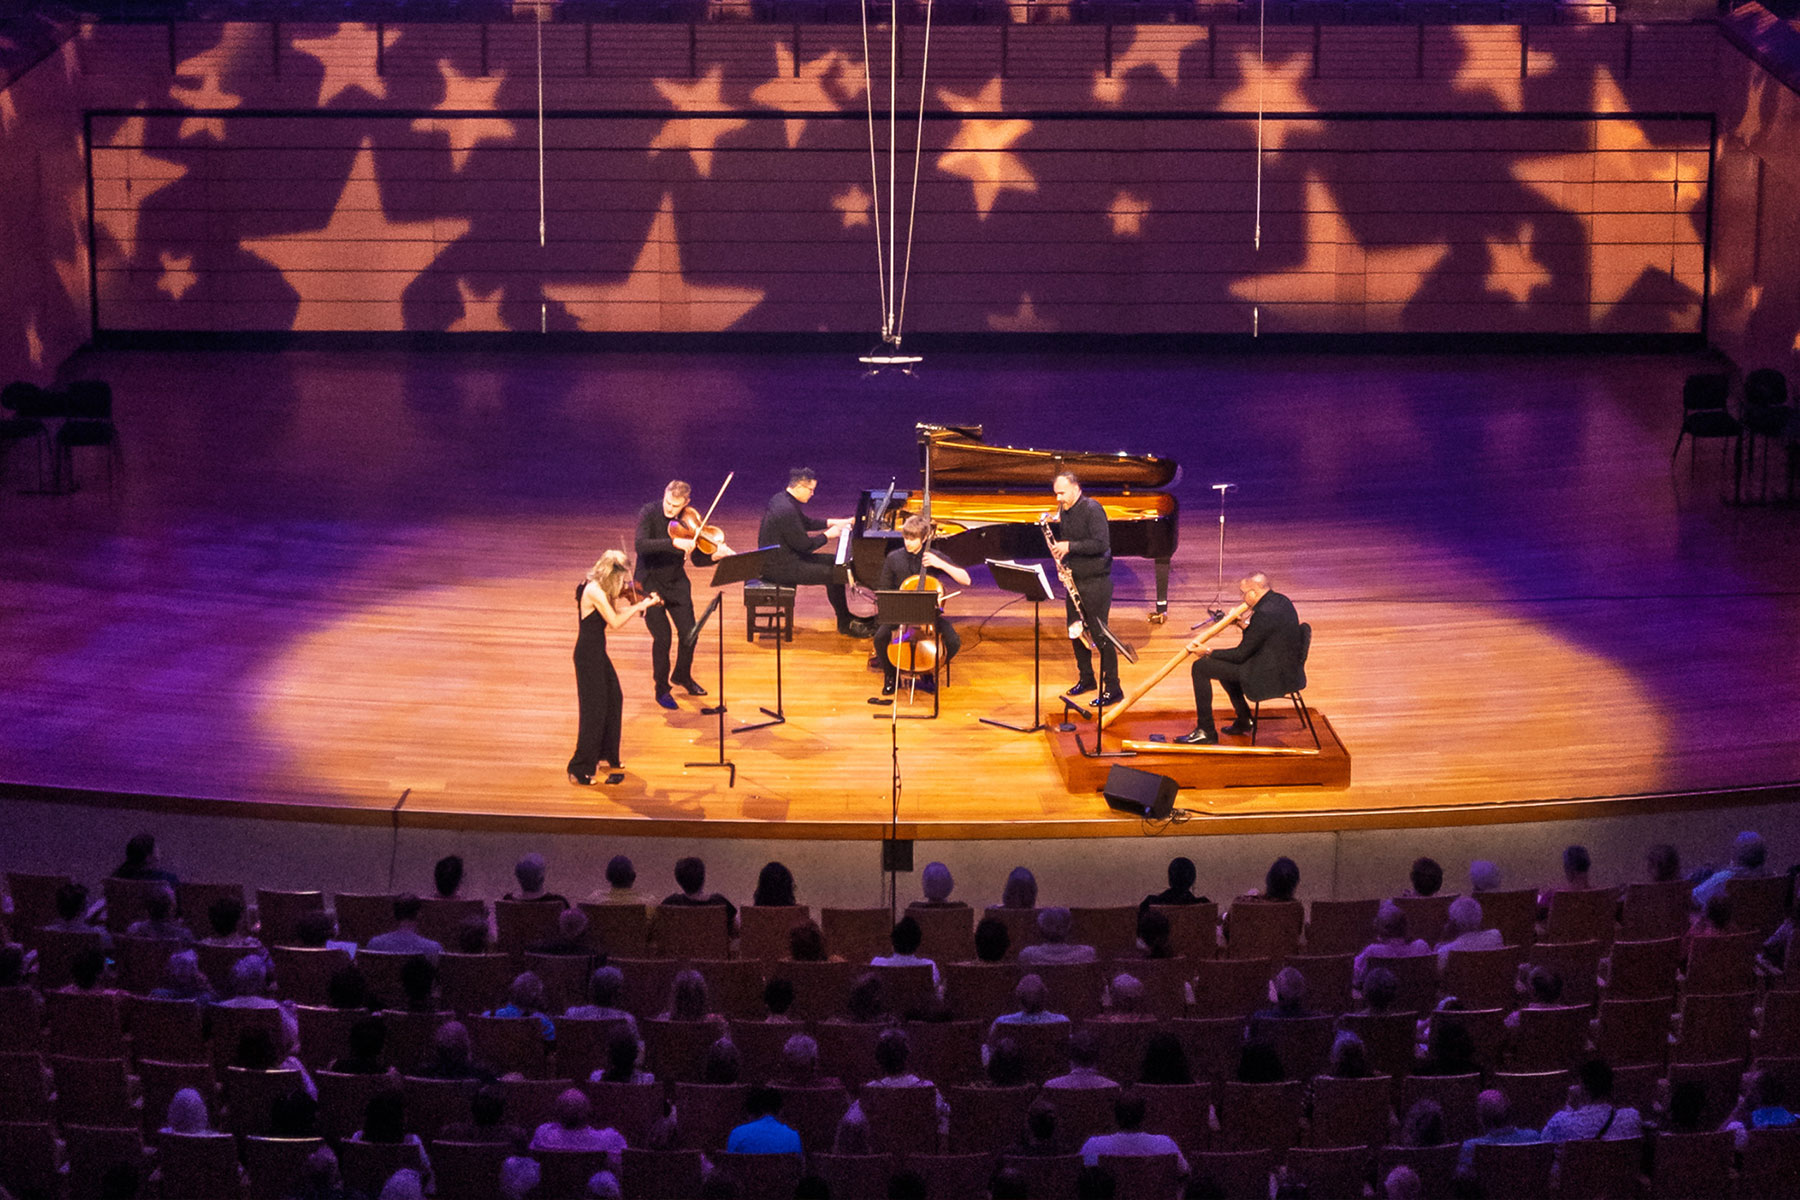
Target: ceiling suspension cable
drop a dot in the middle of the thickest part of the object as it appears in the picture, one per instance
(1262, 89)
(881, 286)
(912, 211)
(893, 265)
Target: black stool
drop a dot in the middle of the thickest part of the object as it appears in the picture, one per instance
(768, 608)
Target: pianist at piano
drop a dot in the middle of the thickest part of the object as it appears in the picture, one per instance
(1084, 546)
(796, 538)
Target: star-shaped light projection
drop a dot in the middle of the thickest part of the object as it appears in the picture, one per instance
(655, 295)
(205, 91)
(1476, 44)
(855, 203)
(1512, 268)
(358, 234)
(1023, 319)
(979, 151)
(480, 310)
(1388, 277)
(9, 111)
(1127, 213)
(805, 90)
(34, 341)
(1272, 87)
(1569, 182)
(1158, 47)
(467, 92)
(698, 135)
(143, 174)
(177, 276)
(346, 65)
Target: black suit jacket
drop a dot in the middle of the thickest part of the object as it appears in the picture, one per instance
(1271, 650)
(785, 524)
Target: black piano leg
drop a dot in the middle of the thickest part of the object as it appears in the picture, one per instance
(1160, 613)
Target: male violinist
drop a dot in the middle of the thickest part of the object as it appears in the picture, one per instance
(1085, 547)
(899, 566)
(796, 537)
(1266, 663)
(662, 571)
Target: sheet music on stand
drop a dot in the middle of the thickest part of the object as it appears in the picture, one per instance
(1016, 582)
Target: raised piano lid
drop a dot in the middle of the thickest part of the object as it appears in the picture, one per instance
(959, 459)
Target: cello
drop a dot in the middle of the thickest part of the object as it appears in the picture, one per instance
(914, 649)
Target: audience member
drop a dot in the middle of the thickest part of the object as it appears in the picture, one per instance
(1687, 1103)
(905, 938)
(893, 1053)
(257, 1050)
(1747, 856)
(1449, 1050)
(472, 936)
(605, 988)
(187, 1114)
(418, 985)
(937, 883)
(1287, 999)
(1426, 877)
(368, 1045)
(764, 1132)
(384, 1122)
(294, 1114)
(225, 917)
(1662, 863)
(1466, 932)
(452, 1056)
(86, 970)
(405, 937)
(623, 1052)
(1005, 1064)
(525, 998)
(1403, 1183)
(1591, 1113)
(774, 887)
(73, 912)
(348, 989)
(141, 861)
(778, 999)
(519, 1177)
(1032, 997)
(1484, 876)
(1349, 1057)
(1165, 1060)
(1391, 941)
(1021, 889)
(248, 987)
(806, 943)
(404, 1184)
(529, 873)
(799, 1066)
(1084, 1064)
(1280, 882)
(571, 1129)
(1761, 1105)
(1053, 946)
(317, 931)
(1040, 1139)
(183, 980)
(724, 1065)
(621, 883)
(867, 1002)
(690, 877)
(447, 877)
(1423, 1125)
(992, 940)
(1380, 988)
(159, 919)
(1714, 921)
(570, 939)
(487, 1123)
(1495, 1115)
(1130, 1140)
(1182, 875)
(1127, 1000)
(1155, 935)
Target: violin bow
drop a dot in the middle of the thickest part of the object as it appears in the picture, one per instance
(707, 519)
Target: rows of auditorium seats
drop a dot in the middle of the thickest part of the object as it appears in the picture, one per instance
(86, 1075)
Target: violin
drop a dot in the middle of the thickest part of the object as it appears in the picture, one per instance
(691, 523)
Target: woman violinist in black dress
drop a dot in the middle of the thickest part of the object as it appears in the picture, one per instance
(600, 601)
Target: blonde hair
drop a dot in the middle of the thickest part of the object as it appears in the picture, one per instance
(679, 489)
(610, 573)
(915, 526)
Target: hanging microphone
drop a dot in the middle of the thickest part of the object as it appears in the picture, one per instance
(1222, 488)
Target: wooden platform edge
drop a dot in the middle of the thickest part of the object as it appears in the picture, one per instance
(1217, 820)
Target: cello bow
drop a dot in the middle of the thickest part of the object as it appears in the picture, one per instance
(1175, 660)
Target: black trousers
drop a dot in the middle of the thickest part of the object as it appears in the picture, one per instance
(1230, 676)
(818, 568)
(1096, 602)
(677, 610)
(948, 639)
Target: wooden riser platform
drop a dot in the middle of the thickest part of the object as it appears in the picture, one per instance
(1283, 757)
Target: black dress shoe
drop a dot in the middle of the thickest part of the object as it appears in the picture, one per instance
(667, 701)
(888, 685)
(1240, 727)
(856, 627)
(1081, 688)
(691, 688)
(581, 780)
(1106, 699)
(1199, 737)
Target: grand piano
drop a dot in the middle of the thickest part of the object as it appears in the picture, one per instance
(986, 501)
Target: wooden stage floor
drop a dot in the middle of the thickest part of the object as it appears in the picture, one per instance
(341, 578)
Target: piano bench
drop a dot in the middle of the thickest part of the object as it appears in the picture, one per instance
(768, 609)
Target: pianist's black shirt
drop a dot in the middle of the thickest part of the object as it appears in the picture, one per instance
(786, 524)
(1090, 540)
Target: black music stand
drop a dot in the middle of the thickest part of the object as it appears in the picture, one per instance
(692, 637)
(1101, 631)
(917, 607)
(741, 568)
(1031, 583)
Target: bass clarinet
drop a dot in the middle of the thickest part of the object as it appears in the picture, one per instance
(1078, 628)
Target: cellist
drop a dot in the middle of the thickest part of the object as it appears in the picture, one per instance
(900, 567)
(661, 571)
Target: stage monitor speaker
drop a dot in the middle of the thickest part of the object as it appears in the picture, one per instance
(1140, 793)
